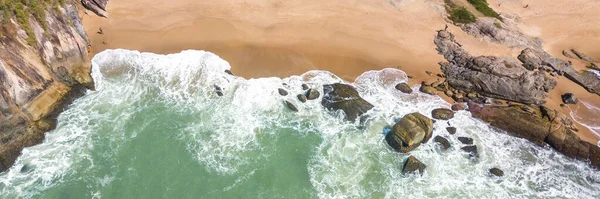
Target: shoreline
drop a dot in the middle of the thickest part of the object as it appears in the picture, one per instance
(289, 39)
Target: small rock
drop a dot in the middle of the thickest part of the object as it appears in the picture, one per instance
(312, 94)
(583, 56)
(442, 141)
(567, 54)
(218, 90)
(409, 76)
(428, 89)
(282, 92)
(412, 164)
(403, 87)
(451, 130)
(472, 150)
(229, 72)
(497, 172)
(304, 87)
(442, 114)
(569, 98)
(301, 97)
(472, 95)
(429, 73)
(291, 106)
(459, 107)
(458, 97)
(465, 140)
(449, 93)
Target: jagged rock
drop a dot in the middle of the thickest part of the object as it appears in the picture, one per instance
(543, 60)
(472, 150)
(403, 87)
(291, 106)
(412, 164)
(451, 130)
(344, 97)
(582, 56)
(465, 140)
(491, 76)
(569, 98)
(444, 143)
(497, 172)
(304, 87)
(442, 114)
(229, 72)
(96, 6)
(282, 92)
(312, 94)
(428, 89)
(301, 98)
(412, 130)
(542, 125)
(567, 54)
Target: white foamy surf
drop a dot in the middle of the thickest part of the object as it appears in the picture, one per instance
(240, 137)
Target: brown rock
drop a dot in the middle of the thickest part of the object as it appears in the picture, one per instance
(497, 172)
(282, 92)
(443, 142)
(412, 130)
(412, 165)
(301, 98)
(403, 87)
(291, 106)
(428, 89)
(312, 94)
(465, 140)
(458, 107)
(451, 130)
(442, 114)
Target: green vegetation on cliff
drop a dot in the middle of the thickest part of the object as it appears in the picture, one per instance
(459, 14)
(24, 9)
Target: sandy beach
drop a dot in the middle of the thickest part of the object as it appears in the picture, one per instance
(281, 38)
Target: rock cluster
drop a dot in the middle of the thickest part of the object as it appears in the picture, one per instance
(344, 97)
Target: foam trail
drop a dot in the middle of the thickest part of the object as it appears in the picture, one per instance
(233, 144)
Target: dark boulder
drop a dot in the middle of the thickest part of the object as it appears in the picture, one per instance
(569, 98)
(229, 72)
(443, 142)
(403, 87)
(412, 130)
(465, 140)
(344, 97)
(304, 87)
(312, 94)
(428, 89)
(412, 165)
(442, 114)
(301, 98)
(496, 172)
(451, 130)
(282, 92)
(291, 106)
(472, 150)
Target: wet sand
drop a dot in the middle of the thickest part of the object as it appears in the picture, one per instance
(261, 38)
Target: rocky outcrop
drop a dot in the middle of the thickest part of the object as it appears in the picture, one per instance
(539, 125)
(96, 6)
(583, 56)
(487, 29)
(491, 76)
(410, 132)
(344, 97)
(39, 75)
(539, 60)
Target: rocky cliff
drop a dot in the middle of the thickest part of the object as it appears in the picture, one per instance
(44, 64)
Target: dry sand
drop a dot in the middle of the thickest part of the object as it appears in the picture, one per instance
(261, 38)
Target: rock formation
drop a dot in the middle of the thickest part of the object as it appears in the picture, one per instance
(410, 132)
(344, 97)
(491, 76)
(412, 165)
(96, 6)
(539, 125)
(39, 76)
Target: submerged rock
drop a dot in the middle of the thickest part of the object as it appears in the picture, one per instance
(465, 140)
(444, 143)
(497, 172)
(412, 165)
(301, 98)
(569, 98)
(442, 114)
(291, 106)
(472, 150)
(412, 130)
(344, 97)
(313, 94)
(282, 92)
(451, 130)
(403, 87)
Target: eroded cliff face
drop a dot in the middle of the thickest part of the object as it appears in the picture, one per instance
(39, 77)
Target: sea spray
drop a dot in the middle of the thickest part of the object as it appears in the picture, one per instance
(155, 128)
